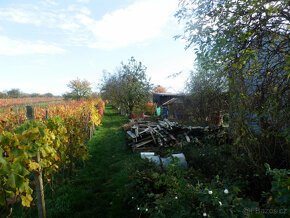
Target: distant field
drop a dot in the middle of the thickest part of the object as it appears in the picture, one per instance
(7, 102)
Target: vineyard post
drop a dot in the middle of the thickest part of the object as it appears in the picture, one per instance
(91, 127)
(17, 112)
(94, 128)
(46, 114)
(37, 175)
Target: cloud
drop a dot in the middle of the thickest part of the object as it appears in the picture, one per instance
(135, 24)
(83, 1)
(39, 15)
(19, 16)
(174, 63)
(49, 3)
(138, 22)
(15, 47)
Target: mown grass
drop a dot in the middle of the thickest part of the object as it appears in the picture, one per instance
(96, 190)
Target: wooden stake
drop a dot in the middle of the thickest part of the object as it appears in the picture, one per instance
(46, 114)
(39, 190)
(38, 174)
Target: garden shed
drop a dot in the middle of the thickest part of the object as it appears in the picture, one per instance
(175, 107)
(161, 98)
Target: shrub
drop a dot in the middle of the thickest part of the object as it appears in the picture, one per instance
(174, 192)
(278, 199)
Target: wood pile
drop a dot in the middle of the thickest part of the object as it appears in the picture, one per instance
(147, 135)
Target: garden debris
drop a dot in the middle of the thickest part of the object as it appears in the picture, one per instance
(164, 162)
(149, 134)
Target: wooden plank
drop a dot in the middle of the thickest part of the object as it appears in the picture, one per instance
(143, 125)
(168, 123)
(146, 138)
(160, 134)
(132, 135)
(172, 137)
(146, 130)
(186, 137)
(145, 149)
(136, 131)
(162, 123)
(143, 143)
(151, 132)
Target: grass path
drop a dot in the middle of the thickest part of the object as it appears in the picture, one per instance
(97, 190)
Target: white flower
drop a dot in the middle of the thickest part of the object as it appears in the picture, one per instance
(146, 209)
(176, 197)
(220, 203)
(226, 191)
(138, 208)
(132, 197)
(210, 192)
(204, 214)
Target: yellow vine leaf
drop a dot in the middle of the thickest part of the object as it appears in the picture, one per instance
(33, 165)
(31, 131)
(26, 200)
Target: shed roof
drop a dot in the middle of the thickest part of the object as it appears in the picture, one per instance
(168, 94)
(172, 100)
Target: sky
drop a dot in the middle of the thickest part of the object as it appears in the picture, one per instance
(44, 44)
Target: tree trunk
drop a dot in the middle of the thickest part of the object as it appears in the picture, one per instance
(130, 111)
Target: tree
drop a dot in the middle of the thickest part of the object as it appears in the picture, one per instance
(3, 95)
(14, 93)
(79, 89)
(48, 95)
(206, 98)
(127, 88)
(159, 89)
(245, 45)
(35, 95)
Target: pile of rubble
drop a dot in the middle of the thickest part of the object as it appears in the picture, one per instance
(147, 135)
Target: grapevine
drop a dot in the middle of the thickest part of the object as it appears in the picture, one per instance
(60, 140)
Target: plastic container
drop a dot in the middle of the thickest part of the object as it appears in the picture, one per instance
(165, 161)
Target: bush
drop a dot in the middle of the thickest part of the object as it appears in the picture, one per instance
(174, 192)
(278, 199)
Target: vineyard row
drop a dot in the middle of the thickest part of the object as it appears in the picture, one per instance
(6, 102)
(51, 142)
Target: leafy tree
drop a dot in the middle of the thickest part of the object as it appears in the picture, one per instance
(207, 98)
(3, 95)
(14, 93)
(35, 95)
(245, 46)
(48, 94)
(79, 89)
(129, 87)
(159, 89)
